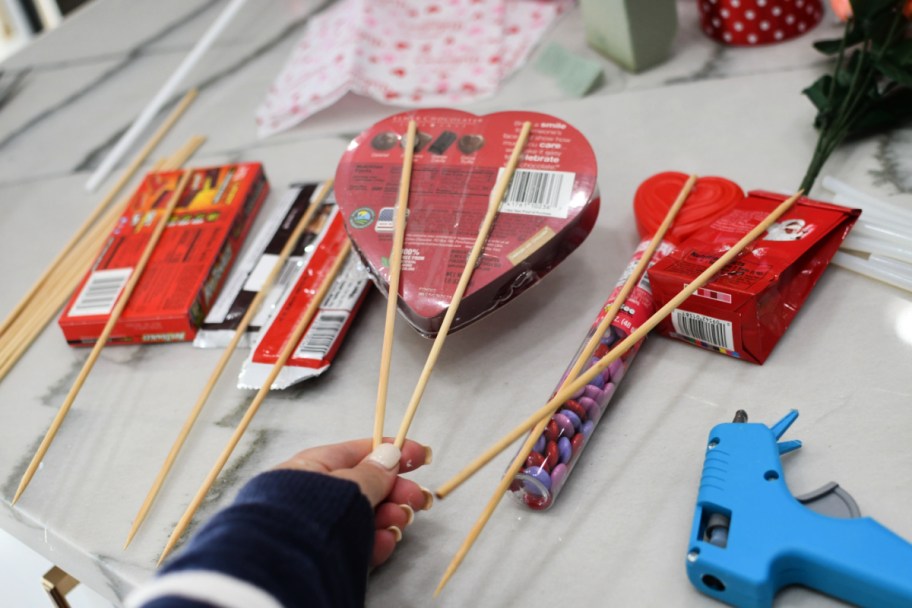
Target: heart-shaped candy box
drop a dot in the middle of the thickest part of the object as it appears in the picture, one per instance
(548, 211)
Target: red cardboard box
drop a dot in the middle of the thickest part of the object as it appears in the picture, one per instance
(747, 307)
(188, 265)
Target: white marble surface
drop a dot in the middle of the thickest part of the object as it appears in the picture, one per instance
(618, 534)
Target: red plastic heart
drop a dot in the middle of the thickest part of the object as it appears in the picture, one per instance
(710, 198)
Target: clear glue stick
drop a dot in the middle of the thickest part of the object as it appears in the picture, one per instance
(556, 451)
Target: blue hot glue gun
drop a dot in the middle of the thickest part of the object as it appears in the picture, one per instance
(751, 537)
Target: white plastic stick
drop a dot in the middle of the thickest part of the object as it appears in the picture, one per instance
(883, 232)
(867, 202)
(892, 272)
(143, 120)
(860, 242)
(875, 214)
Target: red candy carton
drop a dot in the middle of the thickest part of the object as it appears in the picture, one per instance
(186, 269)
(747, 307)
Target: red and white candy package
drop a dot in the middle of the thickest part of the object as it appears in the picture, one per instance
(323, 337)
(747, 307)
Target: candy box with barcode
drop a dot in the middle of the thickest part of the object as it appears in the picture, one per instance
(546, 213)
(747, 307)
(187, 267)
(323, 336)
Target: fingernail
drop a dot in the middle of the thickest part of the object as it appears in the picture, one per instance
(409, 514)
(428, 455)
(396, 532)
(386, 455)
(428, 498)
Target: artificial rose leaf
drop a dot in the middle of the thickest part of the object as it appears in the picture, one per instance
(828, 47)
(819, 93)
(895, 72)
(901, 53)
(890, 112)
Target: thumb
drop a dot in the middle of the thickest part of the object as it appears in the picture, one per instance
(376, 474)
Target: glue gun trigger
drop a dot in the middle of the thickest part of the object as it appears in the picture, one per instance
(832, 501)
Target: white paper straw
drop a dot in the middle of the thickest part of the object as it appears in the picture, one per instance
(143, 120)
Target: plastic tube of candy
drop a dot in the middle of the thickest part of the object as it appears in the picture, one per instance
(556, 451)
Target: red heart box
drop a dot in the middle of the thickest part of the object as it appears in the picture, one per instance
(549, 210)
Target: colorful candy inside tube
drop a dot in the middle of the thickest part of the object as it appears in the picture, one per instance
(558, 448)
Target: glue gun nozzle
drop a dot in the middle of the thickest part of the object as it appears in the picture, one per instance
(788, 446)
(782, 426)
(740, 416)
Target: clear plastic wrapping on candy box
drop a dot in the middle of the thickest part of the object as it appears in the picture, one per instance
(549, 209)
(557, 450)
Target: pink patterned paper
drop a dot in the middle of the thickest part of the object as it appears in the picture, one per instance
(405, 52)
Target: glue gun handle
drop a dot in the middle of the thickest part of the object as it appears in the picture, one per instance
(857, 560)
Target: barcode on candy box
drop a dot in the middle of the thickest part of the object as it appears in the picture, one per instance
(321, 335)
(100, 292)
(706, 329)
(533, 192)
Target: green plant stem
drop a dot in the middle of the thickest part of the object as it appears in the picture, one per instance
(856, 103)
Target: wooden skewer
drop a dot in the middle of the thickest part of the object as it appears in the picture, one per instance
(105, 334)
(277, 267)
(284, 355)
(65, 276)
(183, 154)
(392, 295)
(493, 207)
(624, 345)
(578, 365)
(127, 175)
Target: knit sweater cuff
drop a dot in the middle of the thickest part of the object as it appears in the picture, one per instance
(304, 538)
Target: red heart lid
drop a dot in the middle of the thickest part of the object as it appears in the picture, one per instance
(547, 212)
(711, 197)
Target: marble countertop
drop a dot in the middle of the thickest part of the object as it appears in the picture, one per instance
(619, 532)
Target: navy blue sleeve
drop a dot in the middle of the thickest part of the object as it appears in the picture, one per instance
(303, 538)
